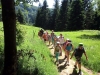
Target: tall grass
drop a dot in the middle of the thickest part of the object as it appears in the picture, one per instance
(40, 62)
(1, 47)
(43, 62)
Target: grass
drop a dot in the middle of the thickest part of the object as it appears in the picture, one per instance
(91, 41)
(40, 63)
(43, 64)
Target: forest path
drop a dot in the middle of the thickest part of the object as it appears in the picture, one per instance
(68, 70)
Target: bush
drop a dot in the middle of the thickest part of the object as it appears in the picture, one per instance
(20, 33)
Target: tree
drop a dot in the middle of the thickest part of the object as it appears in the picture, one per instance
(42, 16)
(0, 12)
(86, 3)
(38, 18)
(9, 24)
(55, 15)
(97, 17)
(76, 20)
(25, 1)
(89, 12)
(63, 16)
(20, 17)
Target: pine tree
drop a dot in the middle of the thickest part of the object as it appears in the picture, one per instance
(76, 20)
(37, 20)
(45, 12)
(42, 16)
(55, 15)
(97, 17)
(89, 16)
(86, 3)
(20, 17)
(63, 16)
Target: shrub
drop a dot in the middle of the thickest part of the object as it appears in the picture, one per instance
(20, 33)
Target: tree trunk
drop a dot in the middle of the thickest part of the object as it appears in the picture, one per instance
(9, 24)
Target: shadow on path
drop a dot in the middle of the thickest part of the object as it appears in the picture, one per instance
(61, 67)
(61, 61)
(74, 72)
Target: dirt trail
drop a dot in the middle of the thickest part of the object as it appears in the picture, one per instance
(68, 70)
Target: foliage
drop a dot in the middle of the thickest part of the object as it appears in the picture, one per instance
(63, 16)
(38, 18)
(97, 17)
(25, 1)
(19, 34)
(76, 20)
(89, 13)
(0, 15)
(33, 55)
(96, 21)
(86, 3)
(28, 11)
(54, 18)
(20, 17)
(42, 64)
(42, 16)
(1, 50)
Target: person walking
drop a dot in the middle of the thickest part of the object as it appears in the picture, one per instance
(40, 33)
(53, 38)
(78, 52)
(44, 36)
(52, 34)
(62, 41)
(49, 38)
(57, 51)
(68, 49)
(64, 45)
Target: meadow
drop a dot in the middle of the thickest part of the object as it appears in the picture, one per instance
(91, 41)
(36, 58)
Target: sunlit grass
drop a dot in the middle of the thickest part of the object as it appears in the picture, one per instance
(91, 41)
(33, 42)
(42, 64)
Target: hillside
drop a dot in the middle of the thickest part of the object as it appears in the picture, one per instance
(41, 54)
(33, 55)
(29, 12)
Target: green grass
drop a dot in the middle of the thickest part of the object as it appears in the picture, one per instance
(91, 41)
(42, 64)
(1, 37)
